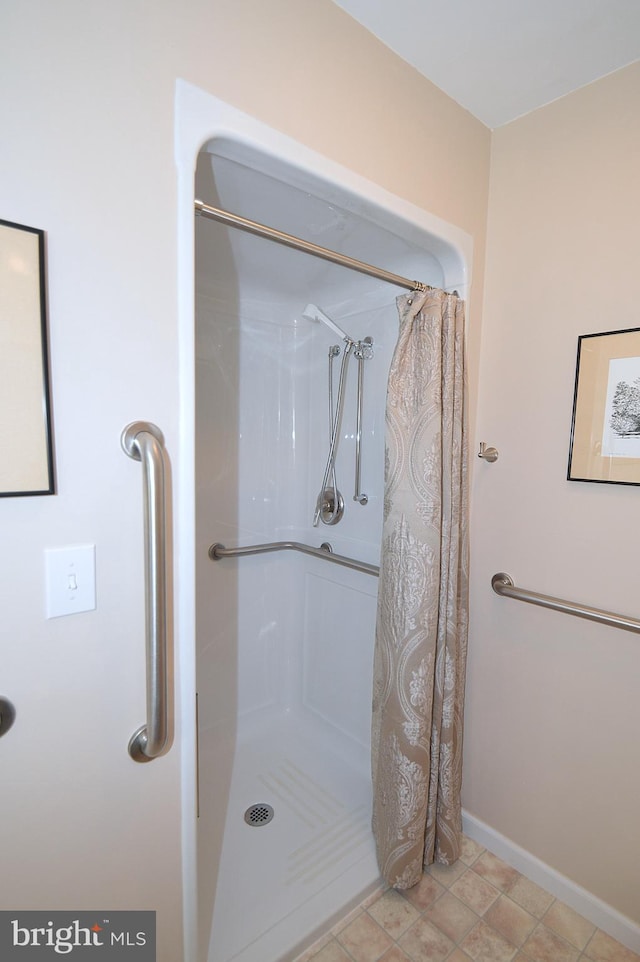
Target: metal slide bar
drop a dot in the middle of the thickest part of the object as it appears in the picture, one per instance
(297, 243)
(361, 356)
(144, 442)
(503, 584)
(325, 551)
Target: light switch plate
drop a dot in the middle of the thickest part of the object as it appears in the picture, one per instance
(70, 579)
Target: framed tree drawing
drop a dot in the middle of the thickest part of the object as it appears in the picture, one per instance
(605, 429)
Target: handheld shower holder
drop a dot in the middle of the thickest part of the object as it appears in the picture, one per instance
(363, 350)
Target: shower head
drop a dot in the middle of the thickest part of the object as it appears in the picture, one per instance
(313, 313)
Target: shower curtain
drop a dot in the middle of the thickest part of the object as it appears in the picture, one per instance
(421, 630)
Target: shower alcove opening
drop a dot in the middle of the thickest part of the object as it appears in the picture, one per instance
(284, 642)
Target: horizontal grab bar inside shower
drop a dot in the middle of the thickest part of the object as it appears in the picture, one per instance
(503, 584)
(325, 551)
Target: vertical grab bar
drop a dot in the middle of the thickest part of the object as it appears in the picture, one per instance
(364, 350)
(144, 442)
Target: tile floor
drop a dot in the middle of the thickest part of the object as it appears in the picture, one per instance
(478, 910)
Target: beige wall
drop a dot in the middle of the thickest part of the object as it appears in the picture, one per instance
(87, 118)
(325, 81)
(87, 122)
(553, 717)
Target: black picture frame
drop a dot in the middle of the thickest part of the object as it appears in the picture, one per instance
(605, 426)
(26, 430)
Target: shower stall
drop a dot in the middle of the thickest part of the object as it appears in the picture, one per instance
(284, 639)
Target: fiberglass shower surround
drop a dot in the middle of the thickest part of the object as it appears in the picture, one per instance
(285, 639)
(330, 503)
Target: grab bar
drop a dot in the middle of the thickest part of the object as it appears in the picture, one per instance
(218, 551)
(503, 584)
(364, 350)
(144, 442)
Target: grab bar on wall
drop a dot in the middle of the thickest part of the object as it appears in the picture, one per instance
(325, 551)
(503, 584)
(144, 442)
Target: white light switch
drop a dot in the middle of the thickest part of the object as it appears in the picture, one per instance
(70, 576)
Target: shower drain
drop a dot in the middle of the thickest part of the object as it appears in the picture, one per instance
(260, 814)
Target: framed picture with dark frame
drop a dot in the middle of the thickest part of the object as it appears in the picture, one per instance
(26, 444)
(605, 429)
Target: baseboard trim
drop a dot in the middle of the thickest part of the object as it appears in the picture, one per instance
(604, 916)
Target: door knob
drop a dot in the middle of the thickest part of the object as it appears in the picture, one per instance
(7, 715)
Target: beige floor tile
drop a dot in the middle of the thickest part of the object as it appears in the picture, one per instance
(347, 920)
(424, 941)
(451, 916)
(545, 946)
(394, 913)
(395, 954)
(424, 893)
(530, 896)
(475, 892)
(602, 948)
(484, 944)
(446, 874)
(567, 923)
(375, 895)
(364, 939)
(470, 850)
(478, 910)
(313, 950)
(332, 952)
(511, 920)
(495, 871)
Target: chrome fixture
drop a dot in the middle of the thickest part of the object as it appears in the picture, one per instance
(329, 506)
(363, 351)
(289, 240)
(332, 507)
(487, 454)
(218, 551)
(144, 442)
(503, 585)
(259, 814)
(7, 715)
(330, 503)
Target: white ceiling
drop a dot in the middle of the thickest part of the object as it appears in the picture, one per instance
(501, 59)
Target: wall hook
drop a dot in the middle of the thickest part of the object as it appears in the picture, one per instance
(487, 454)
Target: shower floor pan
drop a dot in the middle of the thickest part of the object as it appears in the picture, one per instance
(283, 880)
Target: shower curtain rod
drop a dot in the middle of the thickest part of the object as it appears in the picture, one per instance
(297, 243)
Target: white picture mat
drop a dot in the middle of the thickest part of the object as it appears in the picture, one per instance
(625, 369)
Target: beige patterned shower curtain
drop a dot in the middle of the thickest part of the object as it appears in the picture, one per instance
(421, 631)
